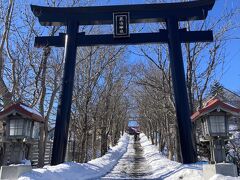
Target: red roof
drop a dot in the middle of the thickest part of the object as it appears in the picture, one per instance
(22, 109)
(213, 104)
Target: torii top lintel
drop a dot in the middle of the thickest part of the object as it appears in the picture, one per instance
(92, 15)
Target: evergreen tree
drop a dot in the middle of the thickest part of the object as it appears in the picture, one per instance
(217, 90)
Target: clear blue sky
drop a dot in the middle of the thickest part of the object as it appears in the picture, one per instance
(231, 76)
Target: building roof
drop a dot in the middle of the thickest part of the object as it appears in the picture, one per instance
(227, 96)
(214, 104)
(22, 109)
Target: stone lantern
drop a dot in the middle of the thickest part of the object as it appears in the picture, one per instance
(22, 126)
(214, 118)
(215, 124)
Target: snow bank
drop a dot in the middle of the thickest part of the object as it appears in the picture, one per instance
(163, 168)
(221, 177)
(74, 171)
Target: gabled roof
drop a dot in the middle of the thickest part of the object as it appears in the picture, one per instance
(232, 93)
(227, 96)
(22, 109)
(214, 104)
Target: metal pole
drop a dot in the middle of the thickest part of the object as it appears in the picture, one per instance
(180, 93)
(64, 106)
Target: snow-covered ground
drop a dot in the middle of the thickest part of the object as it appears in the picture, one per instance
(163, 168)
(159, 166)
(132, 165)
(76, 171)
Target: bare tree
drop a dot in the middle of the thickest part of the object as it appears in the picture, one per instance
(202, 61)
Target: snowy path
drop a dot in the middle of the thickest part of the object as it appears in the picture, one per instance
(132, 165)
(126, 160)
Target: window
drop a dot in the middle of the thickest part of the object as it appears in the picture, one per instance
(217, 124)
(27, 127)
(35, 133)
(16, 127)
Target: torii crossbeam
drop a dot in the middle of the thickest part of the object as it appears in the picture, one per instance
(171, 13)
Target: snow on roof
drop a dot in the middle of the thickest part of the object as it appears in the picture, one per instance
(214, 104)
(22, 109)
(31, 110)
(230, 105)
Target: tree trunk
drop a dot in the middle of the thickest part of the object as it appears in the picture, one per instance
(87, 149)
(44, 127)
(94, 144)
(83, 147)
(74, 144)
(123, 129)
(151, 132)
(160, 140)
(104, 138)
(156, 138)
(148, 132)
(5, 93)
(170, 153)
(116, 135)
(178, 146)
(42, 143)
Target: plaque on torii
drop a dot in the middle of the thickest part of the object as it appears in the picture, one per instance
(170, 13)
(121, 25)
